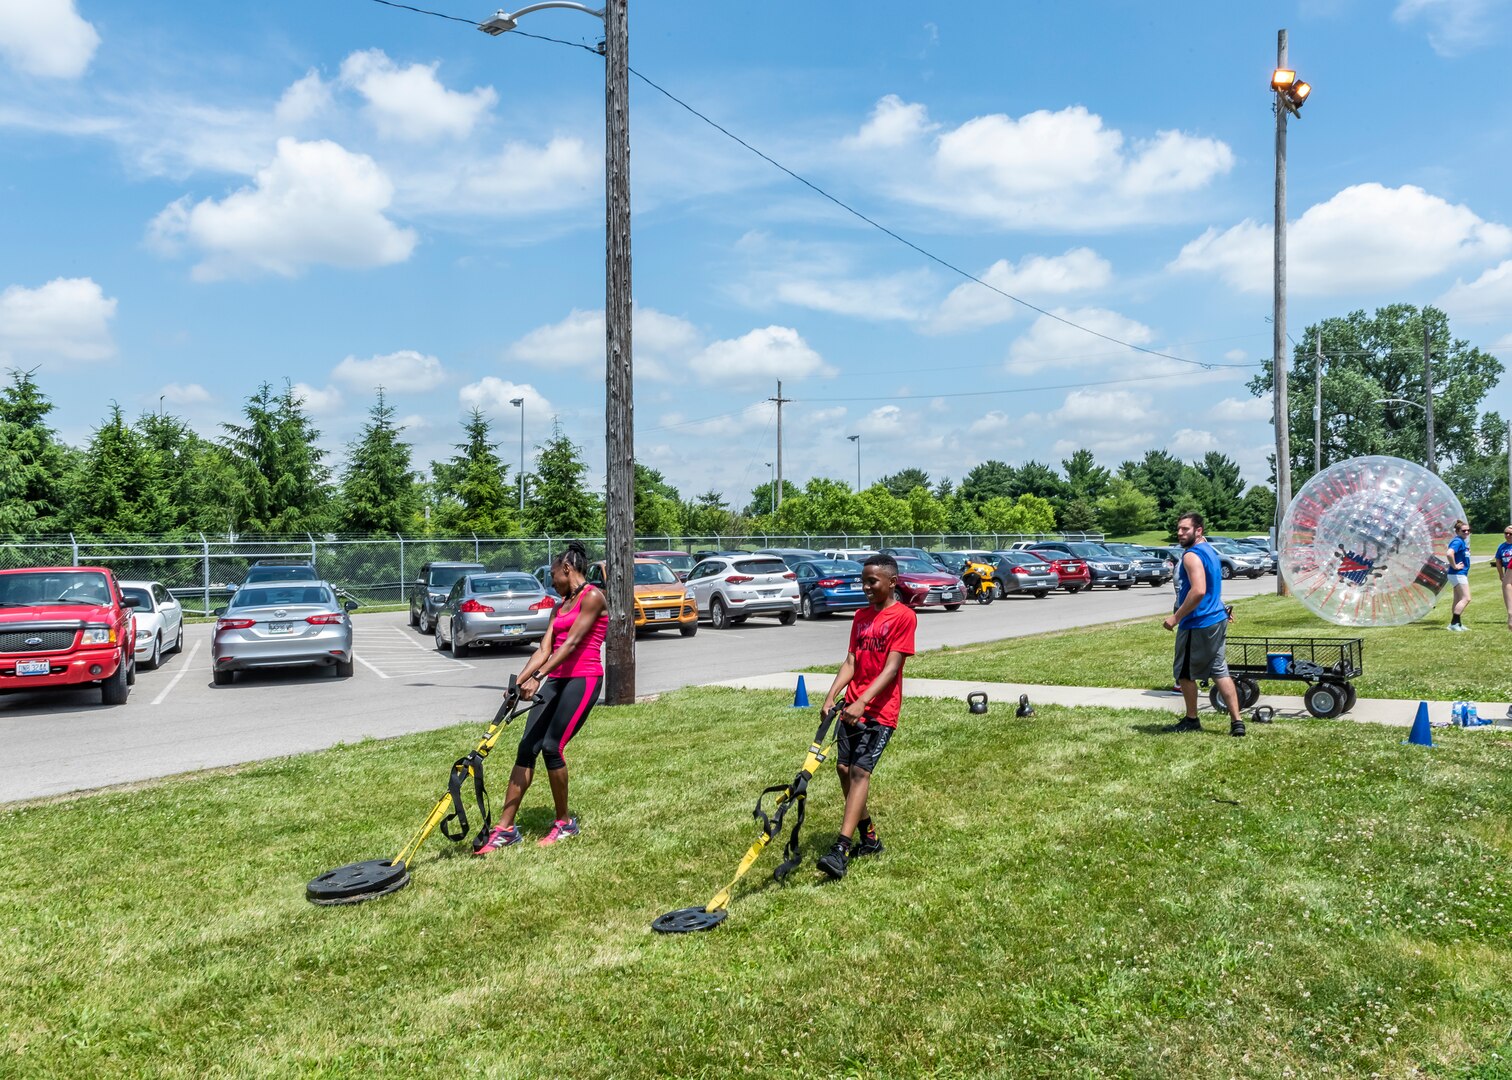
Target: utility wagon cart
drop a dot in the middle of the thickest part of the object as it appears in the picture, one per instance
(1327, 665)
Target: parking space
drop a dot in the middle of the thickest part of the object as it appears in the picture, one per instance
(398, 652)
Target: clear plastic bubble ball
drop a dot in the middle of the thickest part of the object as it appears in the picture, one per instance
(1366, 541)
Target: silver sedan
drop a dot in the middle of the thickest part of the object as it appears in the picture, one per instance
(282, 624)
(493, 609)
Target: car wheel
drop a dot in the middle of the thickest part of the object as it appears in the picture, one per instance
(414, 619)
(952, 607)
(806, 608)
(441, 642)
(114, 690)
(224, 678)
(738, 620)
(1227, 572)
(345, 669)
(688, 629)
(1126, 585)
(424, 624)
(719, 615)
(997, 587)
(156, 659)
(788, 618)
(131, 671)
(460, 650)
(178, 645)
(1039, 594)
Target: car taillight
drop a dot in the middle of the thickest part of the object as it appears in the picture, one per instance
(1020, 570)
(828, 583)
(472, 607)
(543, 604)
(791, 576)
(328, 619)
(738, 579)
(234, 624)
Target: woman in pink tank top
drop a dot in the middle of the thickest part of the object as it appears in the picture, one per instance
(570, 658)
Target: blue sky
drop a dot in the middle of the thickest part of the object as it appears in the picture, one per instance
(195, 198)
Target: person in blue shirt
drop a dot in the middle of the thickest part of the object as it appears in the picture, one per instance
(1201, 624)
(1459, 572)
(1504, 571)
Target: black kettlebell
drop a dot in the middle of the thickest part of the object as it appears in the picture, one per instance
(1024, 708)
(976, 701)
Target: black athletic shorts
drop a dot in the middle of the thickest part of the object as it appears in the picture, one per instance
(860, 746)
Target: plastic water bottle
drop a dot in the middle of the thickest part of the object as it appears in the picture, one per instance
(1457, 713)
(1472, 716)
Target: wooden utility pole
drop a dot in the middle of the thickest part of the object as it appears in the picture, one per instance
(1278, 317)
(1318, 405)
(1428, 393)
(1509, 470)
(780, 400)
(619, 386)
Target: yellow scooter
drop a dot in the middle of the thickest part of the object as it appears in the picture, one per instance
(980, 579)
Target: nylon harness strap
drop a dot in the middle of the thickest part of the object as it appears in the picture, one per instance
(793, 794)
(470, 763)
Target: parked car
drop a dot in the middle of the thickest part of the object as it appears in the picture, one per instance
(661, 601)
(1262, 547)
(792, 556)
(955, 561)
(282, 624)
(826, 586)
(506, 608)
(66, 627)
(923, 584)
(1236, 559)
(159, 619)
(729, 589)
(1107, 569)
(1025, 572)
(429, 591)
(680, 562)
(1074, 574)
(542, 574)
(859, 555)
(700, 556)
(1151, 570)
(913, 553)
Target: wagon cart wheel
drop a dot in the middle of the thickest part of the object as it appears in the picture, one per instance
(1249, 692)
(1350, 694)
(1325, 700)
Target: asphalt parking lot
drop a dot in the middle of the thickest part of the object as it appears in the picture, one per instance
(178, 721)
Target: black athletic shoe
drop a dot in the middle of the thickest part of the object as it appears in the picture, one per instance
(834, 861)
(1190, 723)
(869, 844)
(1236, 728)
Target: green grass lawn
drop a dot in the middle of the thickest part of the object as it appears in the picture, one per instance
(1420, 660)
(1069, 896)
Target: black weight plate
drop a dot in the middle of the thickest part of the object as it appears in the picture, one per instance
(687, 920)
(356, 882)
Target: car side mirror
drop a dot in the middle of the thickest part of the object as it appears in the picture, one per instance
(351, 605)
(218, 612)
(131, 601)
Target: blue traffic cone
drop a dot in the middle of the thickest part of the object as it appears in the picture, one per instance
(1422, 734)
(800, 695)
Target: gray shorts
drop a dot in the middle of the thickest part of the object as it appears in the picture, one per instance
(1199, 652)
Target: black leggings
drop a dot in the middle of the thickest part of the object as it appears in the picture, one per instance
(560, 710)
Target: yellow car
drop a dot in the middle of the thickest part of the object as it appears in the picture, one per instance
(661, 601)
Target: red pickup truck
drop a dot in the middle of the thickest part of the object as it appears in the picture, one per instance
(66, 627)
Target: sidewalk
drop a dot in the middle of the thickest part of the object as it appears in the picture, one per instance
(1390, 711)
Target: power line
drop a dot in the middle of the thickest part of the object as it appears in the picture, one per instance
(1206, 366)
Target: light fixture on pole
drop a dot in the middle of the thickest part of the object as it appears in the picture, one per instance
(619, 409)
(773, 489)
(519, 403)
(857, 440)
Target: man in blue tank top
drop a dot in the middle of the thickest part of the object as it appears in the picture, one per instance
(1201, 624)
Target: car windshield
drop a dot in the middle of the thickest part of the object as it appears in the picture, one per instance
(916, 566)
(54, 586)
(761, 566)
(280, 573)
(501, 583)
(1228, 547)
(654, 573)
(830, 567)
(679, 561)
(1126, 550)
(1088, 551)
(281, 596)
(1018, 558)
(142, 596)
(952, 559)
(444, 577)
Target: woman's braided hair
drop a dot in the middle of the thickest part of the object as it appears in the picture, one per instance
(574, 557)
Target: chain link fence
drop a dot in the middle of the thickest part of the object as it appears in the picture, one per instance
(379, 569)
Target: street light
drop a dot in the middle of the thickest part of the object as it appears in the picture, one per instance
(857, 440)
(1290, 93)
(619, 408)
(772, 466)
(519, 403)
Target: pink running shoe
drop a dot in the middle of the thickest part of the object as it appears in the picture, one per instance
(560, 830)
(500, 837)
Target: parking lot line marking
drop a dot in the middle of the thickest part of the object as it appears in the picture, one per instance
(370, 667)
(182, 671)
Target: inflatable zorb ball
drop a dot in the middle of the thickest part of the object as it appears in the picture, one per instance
(1366, 541)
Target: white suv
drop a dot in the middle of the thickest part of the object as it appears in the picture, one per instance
(728, 589)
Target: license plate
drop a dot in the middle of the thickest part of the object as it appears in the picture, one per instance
(769, 592)
(280, 628)
(851, 588)
(33, 667)
(1123, 577)
(512, 628)
(663, 614)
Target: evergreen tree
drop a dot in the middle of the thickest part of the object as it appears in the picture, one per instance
(1085, 478)
(986, 481)
(378, 492)
(710, 515)
(116, 489)
(1037, 478)
(903, 481)
(1125, 510)
(280, 478)
(37, 466)
(560, 505)
(1158, 474)
(473, 490)
(1079, 514)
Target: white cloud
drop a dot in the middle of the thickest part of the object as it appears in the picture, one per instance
(405, 370)
(412, 422)
(1049, 343)
(1454, 26)
(1488, 296)
(893, 297)
(305, 100)
(316, 203)
(1239, 410)
(68, 318)
(318, 402)
(970, 306)
(1366, 237)
(1043, 170)
(991, 423)
(1190, 443)
(492, 395)
(758, 358)
(660, 342)
(887, 421)
(46, 38)
(520, 180)
(185, 394)
(824, 277)
(410, 103)
(1102, 409)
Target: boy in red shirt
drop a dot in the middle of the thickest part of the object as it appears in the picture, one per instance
(882, 636)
